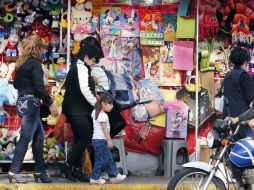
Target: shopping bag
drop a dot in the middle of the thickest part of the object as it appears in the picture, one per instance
(185, 62)
(177, 117)
(142, 137)
(185, 27)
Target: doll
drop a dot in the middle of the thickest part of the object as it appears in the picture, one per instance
(61, 70)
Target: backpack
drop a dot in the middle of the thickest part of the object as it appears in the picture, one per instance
(123, 89)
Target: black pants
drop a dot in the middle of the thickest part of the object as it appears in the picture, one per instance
(82, 127)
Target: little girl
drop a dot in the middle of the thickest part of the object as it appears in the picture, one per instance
(102, 142)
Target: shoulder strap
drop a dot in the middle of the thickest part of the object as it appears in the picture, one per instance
(112, 81)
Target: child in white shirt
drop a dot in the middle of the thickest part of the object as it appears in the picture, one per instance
(102, 142)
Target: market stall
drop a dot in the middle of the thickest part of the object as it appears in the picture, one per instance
(152, 43)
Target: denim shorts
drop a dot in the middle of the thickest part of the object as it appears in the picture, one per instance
(27, 105)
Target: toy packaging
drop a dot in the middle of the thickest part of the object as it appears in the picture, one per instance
(129, 22)
(110, 21)
(151, 63)
(109, 46)
(148, 91)
(151, 28)
(170, 27)
(126, 47)
(166, 53)
(169, 76)
(177, 117)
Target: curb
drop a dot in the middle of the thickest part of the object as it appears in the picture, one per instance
(83, 187)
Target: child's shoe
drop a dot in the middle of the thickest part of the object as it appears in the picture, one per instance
(97, 181)
(119, 178)
(104, 175)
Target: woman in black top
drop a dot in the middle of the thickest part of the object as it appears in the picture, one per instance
(29, 83)
(239, 87)
(79, 100)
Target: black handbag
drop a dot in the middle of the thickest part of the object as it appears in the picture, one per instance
(206, 109)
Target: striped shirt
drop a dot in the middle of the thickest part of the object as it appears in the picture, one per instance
(100, 75)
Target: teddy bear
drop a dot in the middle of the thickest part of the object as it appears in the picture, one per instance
(82, 20)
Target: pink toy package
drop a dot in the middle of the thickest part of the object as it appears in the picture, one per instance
(129, 22)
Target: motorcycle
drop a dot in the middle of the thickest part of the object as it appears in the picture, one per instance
(231, 163)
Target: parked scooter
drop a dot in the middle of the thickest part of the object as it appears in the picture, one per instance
(231, 163)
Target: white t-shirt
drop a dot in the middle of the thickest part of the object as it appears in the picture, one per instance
(97, 129)
(101, 76)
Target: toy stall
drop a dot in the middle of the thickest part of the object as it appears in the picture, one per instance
(149, 44)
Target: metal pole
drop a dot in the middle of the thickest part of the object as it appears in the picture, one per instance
(68, 55)
(61, 32)
(197, 75)
(68, 34)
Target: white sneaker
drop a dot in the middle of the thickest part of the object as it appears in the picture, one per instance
(119, 178)
(97, 181)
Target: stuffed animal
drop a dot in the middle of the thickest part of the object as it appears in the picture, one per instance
(2, 154)
(9, 151)
(82, 20)
(11, 47)
(55, 150)
(3, 115)
(59, 151)
(45, 151)
(8, 94)
(50, 120)
(29, 153)
(4, 133)
(7, 70)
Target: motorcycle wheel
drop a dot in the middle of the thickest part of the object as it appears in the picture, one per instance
(189, 178)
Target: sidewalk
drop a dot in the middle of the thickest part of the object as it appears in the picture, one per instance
(131, 183)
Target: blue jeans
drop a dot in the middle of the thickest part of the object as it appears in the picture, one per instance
(28, 107)
(103, 159)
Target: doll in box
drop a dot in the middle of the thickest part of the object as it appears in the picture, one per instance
(61, 69)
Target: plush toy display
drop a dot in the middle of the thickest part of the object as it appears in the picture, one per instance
(55, 150)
